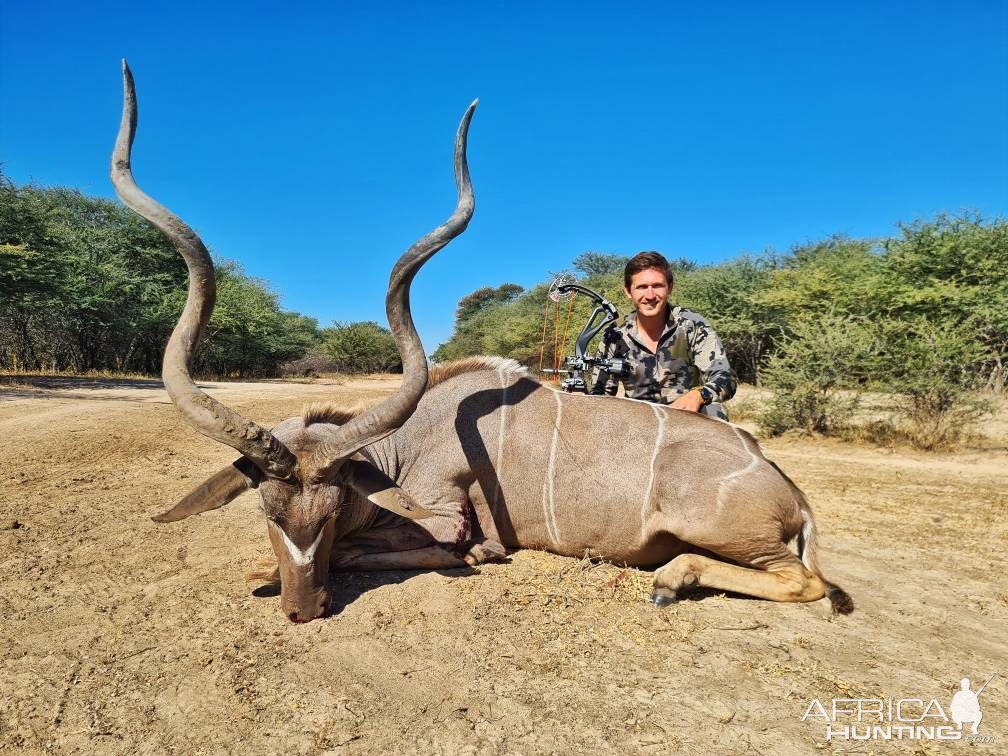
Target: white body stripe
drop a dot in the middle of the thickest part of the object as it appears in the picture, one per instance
(659, 439)
(301, 558)
(547, 496)
(754, 464)
(504, 376)
(754, 461)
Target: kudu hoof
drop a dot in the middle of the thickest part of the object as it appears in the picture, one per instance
(663, 597)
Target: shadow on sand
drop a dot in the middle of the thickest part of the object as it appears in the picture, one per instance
(347, 587)
(91, 388)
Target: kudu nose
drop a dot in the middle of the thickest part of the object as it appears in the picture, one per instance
(296, 615)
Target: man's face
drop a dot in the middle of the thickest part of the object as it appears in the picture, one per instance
(649, 291)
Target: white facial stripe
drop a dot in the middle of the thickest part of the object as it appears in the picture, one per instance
(301, 558)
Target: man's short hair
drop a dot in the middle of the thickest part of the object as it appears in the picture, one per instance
(644, 261)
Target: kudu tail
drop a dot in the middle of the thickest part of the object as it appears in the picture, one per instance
(840, 600)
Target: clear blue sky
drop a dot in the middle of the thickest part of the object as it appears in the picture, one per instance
(313, 143)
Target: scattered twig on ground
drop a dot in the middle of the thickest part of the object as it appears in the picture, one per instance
(755, 626)
(360, 716)
(408, 672)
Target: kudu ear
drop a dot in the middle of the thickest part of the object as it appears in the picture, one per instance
(215, 491)
(381, 490)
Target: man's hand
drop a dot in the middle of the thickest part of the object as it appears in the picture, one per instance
(692, 401)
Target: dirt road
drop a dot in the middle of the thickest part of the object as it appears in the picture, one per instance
(118, 635)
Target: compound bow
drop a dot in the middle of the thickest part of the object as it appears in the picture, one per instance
(603, 315)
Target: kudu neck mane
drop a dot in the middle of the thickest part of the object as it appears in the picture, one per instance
(324, 412)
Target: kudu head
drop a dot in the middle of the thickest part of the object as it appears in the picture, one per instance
(301, 471)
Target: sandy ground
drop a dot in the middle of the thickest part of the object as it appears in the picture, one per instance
(118, 635)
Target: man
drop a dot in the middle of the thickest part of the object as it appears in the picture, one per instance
(669, 348)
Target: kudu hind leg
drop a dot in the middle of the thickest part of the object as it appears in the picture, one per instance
(785, 579)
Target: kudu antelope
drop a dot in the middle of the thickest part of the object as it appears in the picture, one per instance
(478, 456)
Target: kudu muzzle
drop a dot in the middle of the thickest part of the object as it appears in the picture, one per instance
(304, 573)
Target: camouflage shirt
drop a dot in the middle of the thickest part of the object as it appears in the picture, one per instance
(688, 349)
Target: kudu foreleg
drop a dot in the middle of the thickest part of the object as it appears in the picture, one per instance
(427, 558)
(440, 541)
(786, 579)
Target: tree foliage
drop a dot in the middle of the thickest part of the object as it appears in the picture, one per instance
(364, 347)
(86, 284)
(471, 304)
(599, 263)
(932, 369)
(952, 272)
(922, 314)
(731, 295)
(819, 357)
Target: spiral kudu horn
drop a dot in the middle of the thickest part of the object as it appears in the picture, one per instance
(390, 414)
(205, 413)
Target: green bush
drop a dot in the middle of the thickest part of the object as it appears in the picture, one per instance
(932, 371)
(363, 347)
(816, 374)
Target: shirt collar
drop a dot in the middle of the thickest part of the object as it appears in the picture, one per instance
(671, 320)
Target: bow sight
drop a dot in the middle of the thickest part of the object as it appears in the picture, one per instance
(603, 315)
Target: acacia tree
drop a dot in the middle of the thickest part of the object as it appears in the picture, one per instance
(813, 362)
(471, 304)
(472, 322)
(931, 371)
(599, 263)
(249, 334)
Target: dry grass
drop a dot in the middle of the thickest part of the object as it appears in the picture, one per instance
(881, 420)
(338, 379)
(891, 435)
(592, 580)
(9, 375)
(547, 590)
(746, 409)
